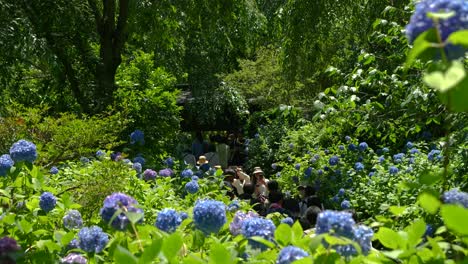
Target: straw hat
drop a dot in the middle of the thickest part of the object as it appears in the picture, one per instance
(258, 170)
(202, 160)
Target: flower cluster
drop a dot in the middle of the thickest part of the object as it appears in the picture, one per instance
(5, 164)
(187, 173)
(288, 220)
(23, 151)
(119, 202)
(92, 239)
(169, 162)
(137, 137)
(359, 166)
(290, 254)
(47, 201)
(168, 220)
(363, 146)
(74, 258)
(209, 215)
(149, 175)
(393, 170)
(8, 246)
(139, 159)
(454, 196)
(137, 167)
(72, 220)
(333, 160)
(435, 153)
(257, 226)
(166, 172)
(53, 170)
(345, 204)
(192, 186)
(100, 154)
(342, 224)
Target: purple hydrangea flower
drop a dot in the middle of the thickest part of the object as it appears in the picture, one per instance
(23, 151)
(236, 224)
(149, 175)
(74, 258)
(122, 202)
(166, 172)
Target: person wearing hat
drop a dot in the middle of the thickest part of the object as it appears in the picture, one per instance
(203, 164)
(260, 183)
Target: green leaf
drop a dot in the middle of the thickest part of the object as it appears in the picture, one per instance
(444, 82)
(151, 251)
(422, 47)
(25, 226)
(415, 231)
(297, 231)
(172, 245)
(283, 234)
(430, 177)
(123, 256)
(134, 217)
(459, 38)
(397, 210)
(389, 238)
(430, 203)
(219, 254)
(454, 217)
(456, 98)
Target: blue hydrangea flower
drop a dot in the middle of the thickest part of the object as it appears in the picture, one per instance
(434, 154)
(168, 220)
(169, 162)
(413, 151)
(137, 166)
(411, 160)
(347, 138)
(53, 170)
(23, 151)
(137, 137)
(73, 220)
(352, 147)
(381, 159)
(398, 158)
(187, 173)
(319, 172)
(290, 254)
(5, 164)
(84, 160)
(363, 235)
(261, 227)
(334, 160)
(195, 178)
(340, 222)
(360, 159)
(92, 239)
(236, 224)
(372, 173)
(308, 172)
(341, 192)
(336, 198)
(359, 166)
(385, 150)
(454, 196)
(291, 145)
(47, 201)
(149, 175)
(183, 215)
(341, 147)
(393, 170)
(233, 206)
(139, 159)
(429, 231)
(409, 145)
(274, 166)
(326, 151)
(345, 204)
(209, 215)
(166, 172)
(420, 21)
(363, 146)
(115, 202)
(73, 244)
(297, 166)
(100, 154)
(192, 187)
(288, 220)
(74, 258)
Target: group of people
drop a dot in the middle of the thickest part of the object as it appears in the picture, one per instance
(220, 150)
(266, 196)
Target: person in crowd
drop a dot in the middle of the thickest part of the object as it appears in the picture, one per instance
(203, 164)
(212, 156)
(292, 205)
(310, 219)
(260, 183)
(223, 151)
(189, 158)
(257, 204)
(228, 182)
(308, 198)
(272, 186)
(199, 146)
(276, 204)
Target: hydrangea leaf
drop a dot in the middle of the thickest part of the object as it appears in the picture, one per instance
(459, 38)
(422, 47)
(151, 251)
(456, 98)
(220, 254)
(397, 210)
(172, 245)
(415, 231)
(444, 82)
(123, 256)
(429, 203)
(134, 217)
(283, 234)
(389, 238)
(454, 217)
(440, 15)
